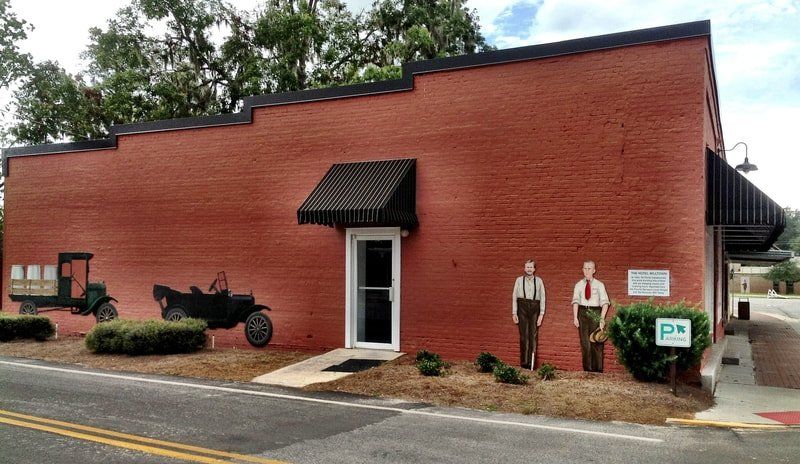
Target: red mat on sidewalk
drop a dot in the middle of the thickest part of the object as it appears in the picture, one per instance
(784, 417)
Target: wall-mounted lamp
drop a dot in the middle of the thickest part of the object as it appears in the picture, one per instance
(404, 233)
(746, 166)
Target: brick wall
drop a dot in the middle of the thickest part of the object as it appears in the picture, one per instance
(589, 156)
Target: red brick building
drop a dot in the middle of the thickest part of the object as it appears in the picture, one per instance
(601, 148)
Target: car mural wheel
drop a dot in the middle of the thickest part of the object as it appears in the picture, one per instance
(258, 329)
(28, 308)
(175, 314)
(106, 312)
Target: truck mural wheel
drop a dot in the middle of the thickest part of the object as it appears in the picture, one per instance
(258, 329)
(106, 312)
(175, 314)
(28, 308)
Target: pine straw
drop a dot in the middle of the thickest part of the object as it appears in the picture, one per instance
(220, 364)
(579, 395)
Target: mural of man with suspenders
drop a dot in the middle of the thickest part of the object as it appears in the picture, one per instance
(527, 311)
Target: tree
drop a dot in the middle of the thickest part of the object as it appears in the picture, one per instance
(145, 76)
(310, 43)
(787, 271)
(53, 105)
(211, 55)
(13, 63)
(410, 30)
(790, 238)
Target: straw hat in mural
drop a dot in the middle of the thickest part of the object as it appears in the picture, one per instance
(598, 336)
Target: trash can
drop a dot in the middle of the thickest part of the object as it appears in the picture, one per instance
(744, 310)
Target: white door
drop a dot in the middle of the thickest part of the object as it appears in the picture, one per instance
(373, 288)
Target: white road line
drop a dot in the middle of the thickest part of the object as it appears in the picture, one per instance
(415, 412)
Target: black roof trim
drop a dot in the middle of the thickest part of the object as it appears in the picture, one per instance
(567, 47)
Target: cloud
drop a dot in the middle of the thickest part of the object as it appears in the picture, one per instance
(516, 19)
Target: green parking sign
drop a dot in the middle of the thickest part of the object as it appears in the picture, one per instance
(674, 332)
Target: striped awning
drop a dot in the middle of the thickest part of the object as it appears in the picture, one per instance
(748, 219)
(364, 193)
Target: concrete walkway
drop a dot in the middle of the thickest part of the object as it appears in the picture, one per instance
(312, 370)
(741, 395)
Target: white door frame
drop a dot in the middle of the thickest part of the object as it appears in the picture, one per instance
(350, 328)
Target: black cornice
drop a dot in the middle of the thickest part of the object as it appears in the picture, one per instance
(567, 47)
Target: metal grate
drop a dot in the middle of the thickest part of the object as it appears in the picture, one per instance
(355, 365)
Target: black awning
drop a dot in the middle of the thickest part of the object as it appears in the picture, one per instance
(365, 193)
(748, 219)
(761, 258)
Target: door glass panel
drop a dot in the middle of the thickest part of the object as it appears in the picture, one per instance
(374, 291)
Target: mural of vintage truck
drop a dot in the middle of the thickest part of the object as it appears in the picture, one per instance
(70, 289)
(220, 309)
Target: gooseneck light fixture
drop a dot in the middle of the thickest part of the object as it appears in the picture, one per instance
(746, 166)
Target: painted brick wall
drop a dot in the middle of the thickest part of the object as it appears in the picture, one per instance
(589, 156)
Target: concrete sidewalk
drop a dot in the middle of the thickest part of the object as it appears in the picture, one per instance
(312, 370)
(753, 392)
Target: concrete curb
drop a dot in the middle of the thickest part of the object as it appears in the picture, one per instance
(710, 372)
(730, 425)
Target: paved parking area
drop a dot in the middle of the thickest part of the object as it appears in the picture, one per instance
(764, 388)
(774, 331)
(776, 351)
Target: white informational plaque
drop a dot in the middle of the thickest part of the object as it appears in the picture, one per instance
(642, 282)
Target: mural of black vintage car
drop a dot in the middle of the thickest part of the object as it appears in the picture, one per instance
(70, 290)
(220, 309)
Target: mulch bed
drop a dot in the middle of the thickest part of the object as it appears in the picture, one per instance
(579, 395)
(221, 364)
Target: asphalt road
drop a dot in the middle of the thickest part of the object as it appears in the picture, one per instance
(263, 424)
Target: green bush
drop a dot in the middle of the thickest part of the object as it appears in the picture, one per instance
(430, 368)
(506, 374)
(633, 330)
(425, 355)
(486, 361)
(546, 371)
(147, 337)
(430, 364)
(36, 327)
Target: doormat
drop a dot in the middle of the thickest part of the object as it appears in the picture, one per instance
(354, 365)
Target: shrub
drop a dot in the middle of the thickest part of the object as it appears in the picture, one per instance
(430, 364)
(430, 368)
(486, 361)
(632, 331)
(506, 374)
(546, 371)
(425, 355)
(36, 327)
(147, 337)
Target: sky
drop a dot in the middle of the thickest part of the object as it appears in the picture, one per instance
(756, 46)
